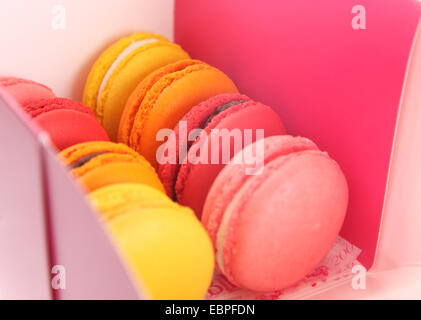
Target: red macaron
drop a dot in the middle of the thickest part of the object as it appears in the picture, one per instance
(189, 182)
(66, 121)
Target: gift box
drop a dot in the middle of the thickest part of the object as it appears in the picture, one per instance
(351, 86)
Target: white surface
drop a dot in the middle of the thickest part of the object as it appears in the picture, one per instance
(61, 58)
(401, 283)
(335, 269)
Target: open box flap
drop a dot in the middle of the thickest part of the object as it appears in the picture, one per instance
(338, 86)
(45, 222)
(79, 243)
(24, 266)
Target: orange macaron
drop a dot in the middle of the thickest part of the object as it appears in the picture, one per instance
(163, 98)
(98, 164)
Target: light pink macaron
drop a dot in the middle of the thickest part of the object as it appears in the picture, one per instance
(272, 228)
(190, 182)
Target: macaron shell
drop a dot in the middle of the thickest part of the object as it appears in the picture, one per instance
(195, 180)
(283, 222)
(105, 159)
(150, 90)
(120, 172)
(117, 199)
(193, 119)
(234, 175)
(132, 119)
(112, 163)
(176, 101)
(46, 105)
(26, 91)
(168, 252)
(104, 62)
(127, 76)
(77, 151)
(69, 127)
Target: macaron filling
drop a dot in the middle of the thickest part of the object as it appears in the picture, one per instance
(128, 50)
(83, 160)
(217, 111)
(223, 228)
(220, 109)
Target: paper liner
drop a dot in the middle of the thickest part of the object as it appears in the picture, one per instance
(334, 269)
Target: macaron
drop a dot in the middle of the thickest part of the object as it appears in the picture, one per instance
(163, 98)
(119, 70)
(98, 164)
(271, 229)
(26, 91)
(189, 181)
(167, 250)
(67, 122)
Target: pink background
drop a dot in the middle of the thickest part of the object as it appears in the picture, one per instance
(338, 86)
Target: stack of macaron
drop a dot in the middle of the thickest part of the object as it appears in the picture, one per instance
(185, 92)
(189, 182)
(166, 248)
(198, 175)
(268, 228)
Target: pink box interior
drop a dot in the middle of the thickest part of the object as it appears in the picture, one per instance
(338, 86)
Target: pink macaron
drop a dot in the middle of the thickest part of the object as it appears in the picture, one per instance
(188, 181)
(26, 91)
(66, 121)
(272, 228)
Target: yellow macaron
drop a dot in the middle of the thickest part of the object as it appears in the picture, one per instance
(118, 71)
(166, 248)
